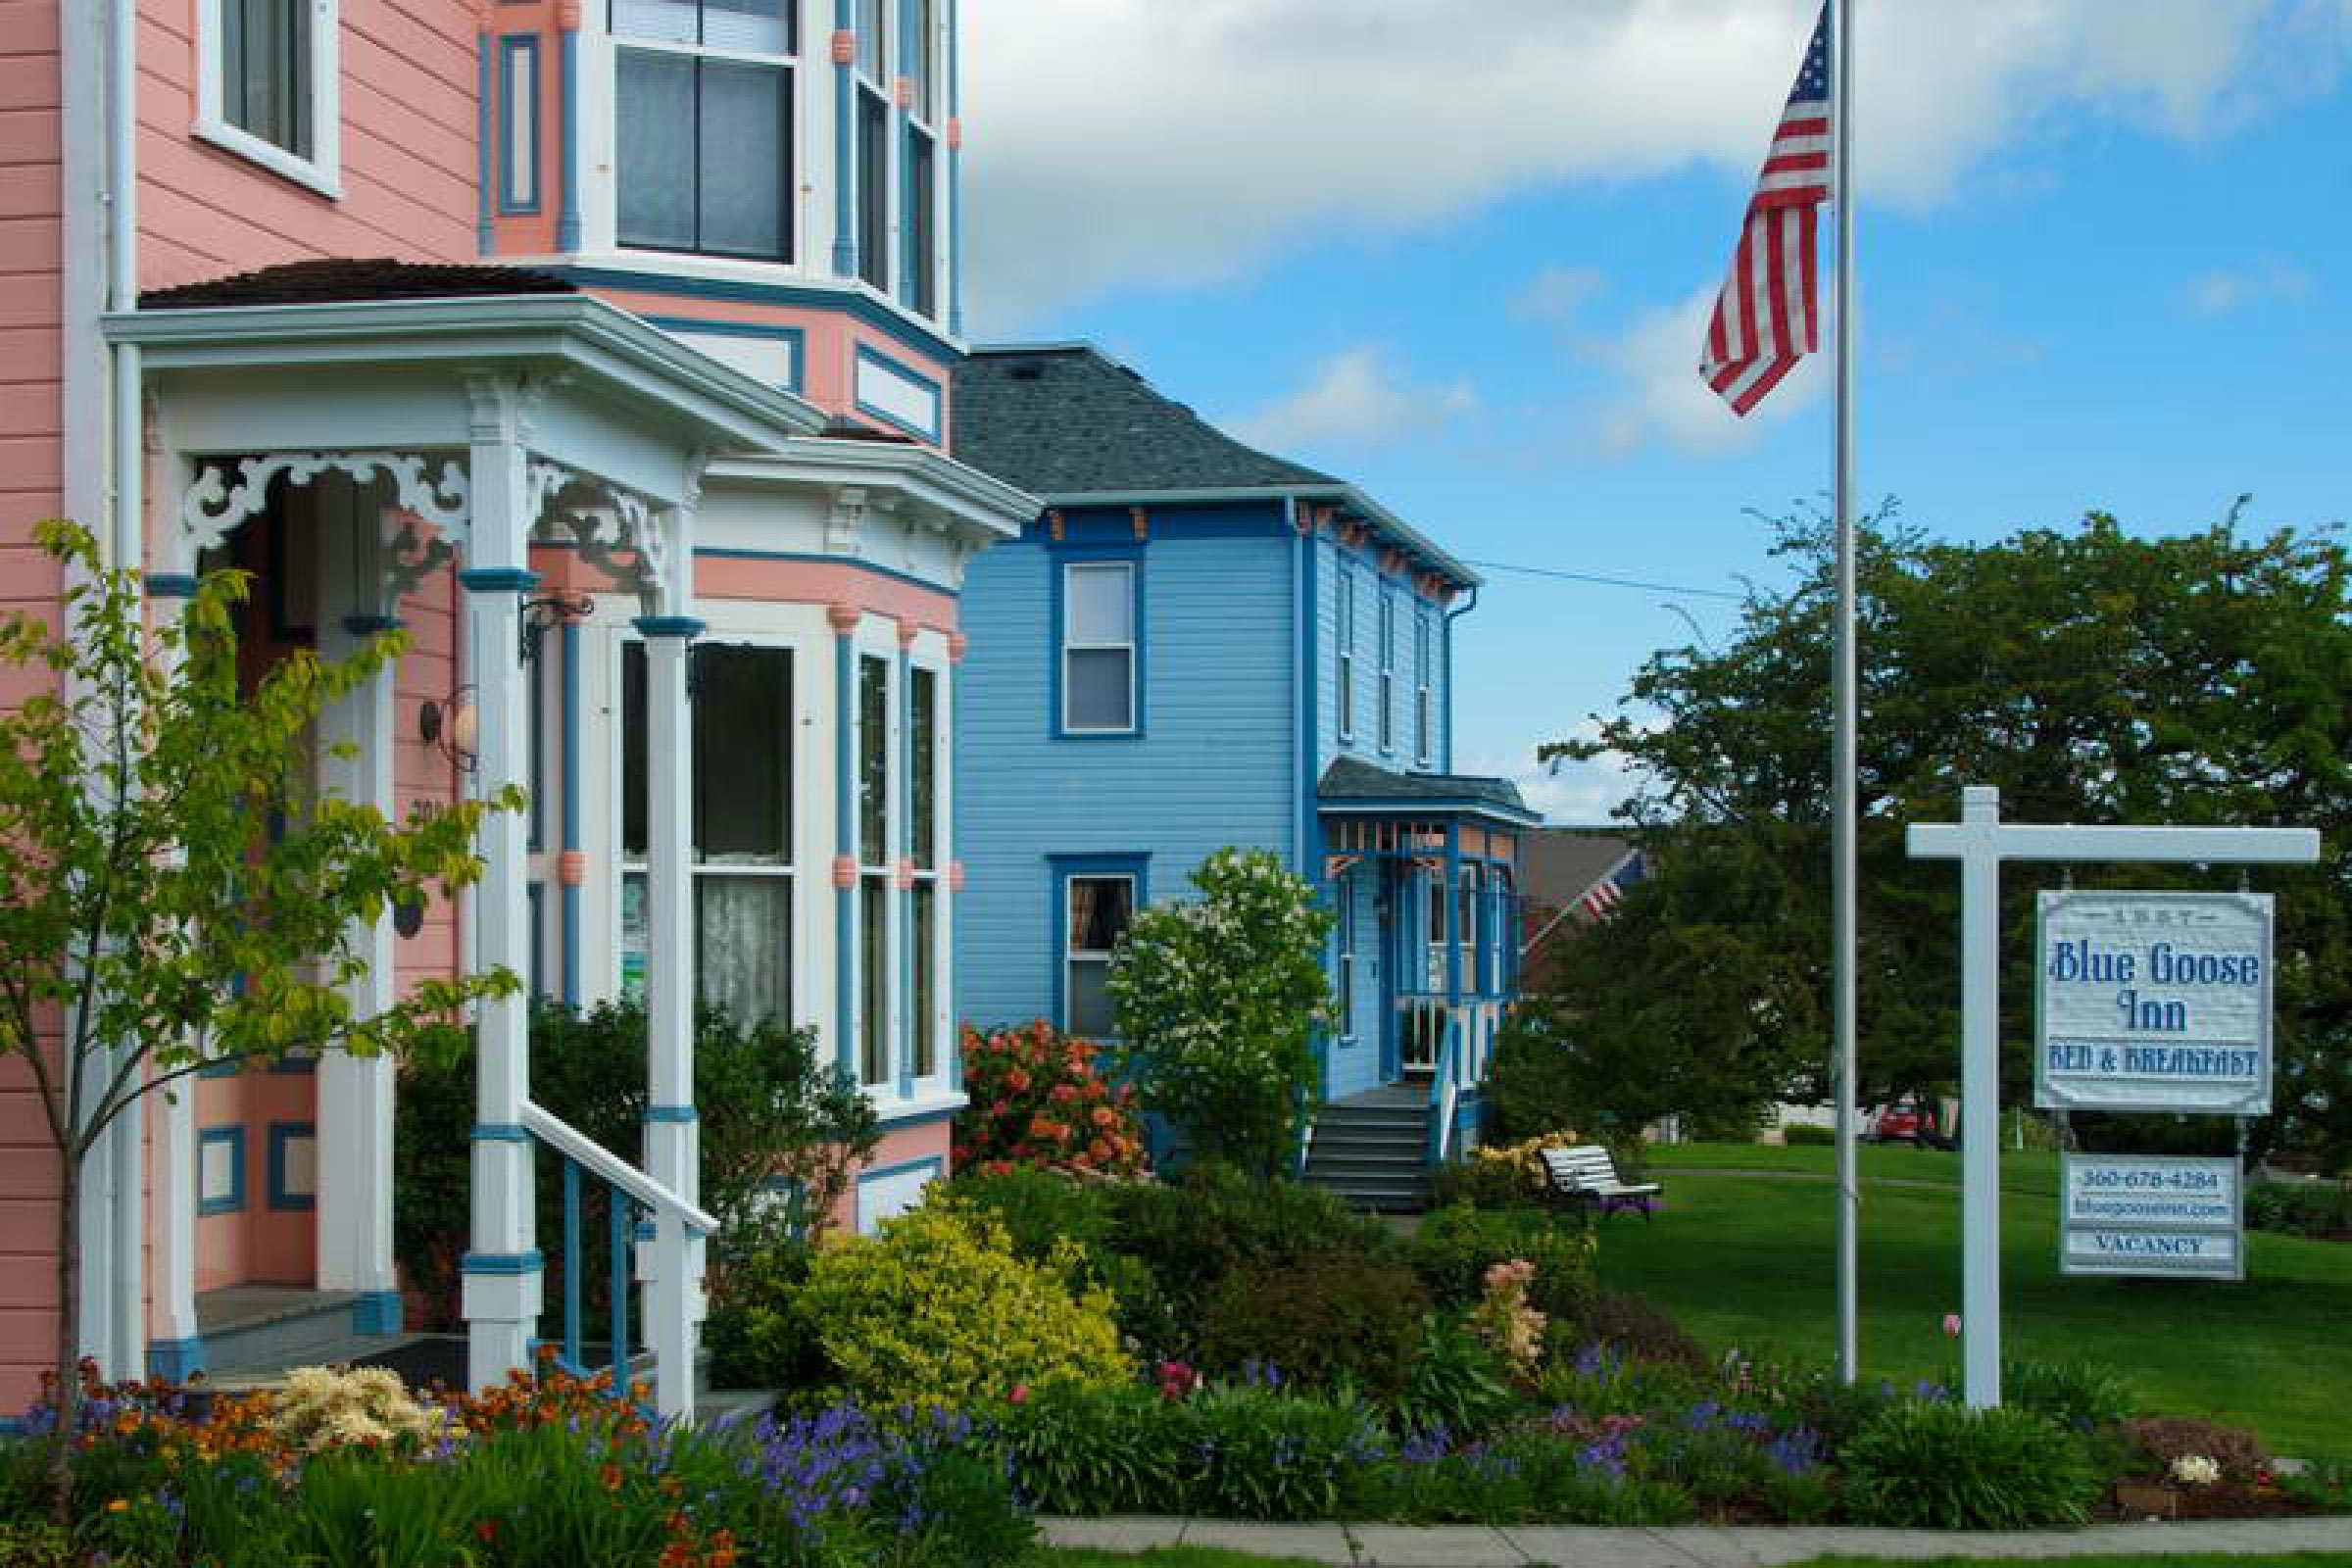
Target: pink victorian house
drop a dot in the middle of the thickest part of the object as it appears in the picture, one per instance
(601, 345)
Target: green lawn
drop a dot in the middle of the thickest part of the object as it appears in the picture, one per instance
(2022, 1171)
(1748, 1260)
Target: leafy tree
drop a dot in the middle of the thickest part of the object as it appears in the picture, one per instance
(1217, 1001)
(2091, 675)
(148, 924)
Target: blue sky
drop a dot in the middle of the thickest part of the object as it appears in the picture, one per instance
(2102, 246)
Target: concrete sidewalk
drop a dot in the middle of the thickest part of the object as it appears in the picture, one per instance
(1689, 1547)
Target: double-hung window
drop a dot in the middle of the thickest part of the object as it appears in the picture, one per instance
(266, 84)
(742, 850)
(1387, 670)
(1344, 889)
(875, 819)
(1097, 910)
(918, 284)
(871, 117)
(1424, 719)
(1099, 648)
(1347, 640)
(702, 105)
(926, 935)
(1469, 931)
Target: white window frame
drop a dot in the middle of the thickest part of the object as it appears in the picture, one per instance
(1131, 647)
(1424, 719)
(941, 1025)
(797, 838)
(1345, 886)
(884, 872)
(1071, 952)
(1345, 615)
(797, 121)
(323, 171)
(1387, 670)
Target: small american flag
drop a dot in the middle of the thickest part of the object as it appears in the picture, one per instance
(1764, 318)
(1602, 897)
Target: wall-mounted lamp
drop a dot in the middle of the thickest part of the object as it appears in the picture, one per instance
(453, 727)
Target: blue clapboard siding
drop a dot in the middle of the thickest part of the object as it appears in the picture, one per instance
(1335, 563)
(1216, 765)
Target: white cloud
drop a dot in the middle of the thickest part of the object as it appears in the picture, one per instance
(1573, 794)
(1662, 400)
(1557, 295)
(1358, 398)
(2223, 290)
(1122, 142)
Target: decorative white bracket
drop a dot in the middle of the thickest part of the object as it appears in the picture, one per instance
(606, 522)
(227, 491)
(845, 520)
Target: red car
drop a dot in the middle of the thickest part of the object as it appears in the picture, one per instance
(1906, 1121)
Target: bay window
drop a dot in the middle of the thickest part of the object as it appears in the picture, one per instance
(703, 96)
(741, 838)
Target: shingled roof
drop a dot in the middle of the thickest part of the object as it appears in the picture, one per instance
(1065, 420)
(1358, 782)
(340, 279)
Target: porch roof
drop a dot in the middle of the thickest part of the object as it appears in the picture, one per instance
(578, 336)
(1354, 788)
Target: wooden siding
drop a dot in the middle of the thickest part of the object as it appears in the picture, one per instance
(1332, 560)
(1216, 765)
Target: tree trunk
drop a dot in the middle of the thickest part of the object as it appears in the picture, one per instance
(69, 1339)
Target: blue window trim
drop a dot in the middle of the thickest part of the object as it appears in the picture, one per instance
(867, 355)
(234, 1201)
(1344, 933)
(901, 328)
(1060, 868)
(1062, 557)
(1346, 659)
(1383, 728)
(508, 115)
(282, 1133)
(909, 289)
(798, 338)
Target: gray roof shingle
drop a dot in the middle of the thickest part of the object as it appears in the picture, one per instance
(1348, 779)
(1065, 419)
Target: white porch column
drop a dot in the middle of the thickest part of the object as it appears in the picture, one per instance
(503, 1267)
(672, 1140)
(354, 1140)
(174, 1344)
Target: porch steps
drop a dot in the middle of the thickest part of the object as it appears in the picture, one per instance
(254, 1334)
(1372, 1149)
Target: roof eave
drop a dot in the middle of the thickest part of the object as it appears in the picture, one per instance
(1336, 491)
(994, 508)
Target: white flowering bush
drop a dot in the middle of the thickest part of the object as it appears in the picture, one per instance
(1217, 1002)
(321, 1407)
(2196, 1470)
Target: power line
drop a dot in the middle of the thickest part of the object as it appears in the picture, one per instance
(1607, 583)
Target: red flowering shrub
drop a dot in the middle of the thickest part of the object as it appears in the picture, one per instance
(1038, 1099)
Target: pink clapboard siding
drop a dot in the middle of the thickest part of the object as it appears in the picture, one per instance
(409, 172)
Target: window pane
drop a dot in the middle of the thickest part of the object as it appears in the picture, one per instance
(1100, 908)
(634, 934)
(873, 760)
(743, 946)
(656, 134)
(920, 40)
(922, 719)
(746, 159)
(872, 46)
(665, 20)
(873, 190)
(1100, 604)
(1091, 1016)
(874, 975)
(266, 71)
(632, 751)
(924, 914)
(921, 261)
(742, 755)
(755, 27)
(1099, 694)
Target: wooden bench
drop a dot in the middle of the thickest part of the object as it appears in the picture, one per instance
(1587, 1175)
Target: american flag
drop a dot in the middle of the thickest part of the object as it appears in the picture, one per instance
(1602, 899)
(1764, 318)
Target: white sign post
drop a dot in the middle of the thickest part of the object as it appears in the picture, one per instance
(1980, 840)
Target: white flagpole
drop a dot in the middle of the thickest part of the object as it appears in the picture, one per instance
(1843, 682)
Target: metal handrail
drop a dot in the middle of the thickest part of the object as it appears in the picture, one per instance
(601, 1163)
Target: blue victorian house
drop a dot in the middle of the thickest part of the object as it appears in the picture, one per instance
(1195, 643)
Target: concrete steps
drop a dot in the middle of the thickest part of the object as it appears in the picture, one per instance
(1372, 1149)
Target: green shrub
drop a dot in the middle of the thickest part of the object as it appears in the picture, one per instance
(1072, 1449)
(1482, 1184)
(935, 1309)
(2320, 1210)
(1458, 1385)
(1531, 1087)
(1318, 1321)
(1261, 1454)
(1194, 1233)
(2080, 1395)
(757, 1336)
(35, 1544)
(1456, 1246)
(1799, 1135)
(1942, 1466)
(1038, 1208)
